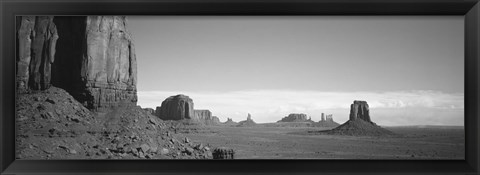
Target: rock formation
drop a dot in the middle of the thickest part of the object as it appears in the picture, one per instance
(359, 123)
(294, 118)
(360, 110)
(205, 116)
(326, 121)
(36, 39)
(93, 58)
(149, 110)
(230, 122)
(176, 107)
(248, 122)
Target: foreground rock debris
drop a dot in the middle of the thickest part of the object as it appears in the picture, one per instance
(53, 125)
(76, 84)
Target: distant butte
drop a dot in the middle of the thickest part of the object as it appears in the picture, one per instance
(359, 124)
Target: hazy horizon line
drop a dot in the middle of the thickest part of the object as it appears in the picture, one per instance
(414, 107)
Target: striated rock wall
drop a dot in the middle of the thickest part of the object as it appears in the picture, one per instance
(93, 58)
(36, 41)
(205, 116)
(99, 51)
(176, 107)
(360, 110)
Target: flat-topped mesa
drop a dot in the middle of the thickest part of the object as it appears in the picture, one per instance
(176, 107)
(294, 118)
(360, 110)
(205, 116)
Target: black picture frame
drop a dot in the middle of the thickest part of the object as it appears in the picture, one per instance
(470, 9)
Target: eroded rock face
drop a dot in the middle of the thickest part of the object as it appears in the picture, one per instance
(327, 121)
(294, 118)
(93, 58)
(247, 123)
(205, 116)
(176, 107)
(105, 68)
(360, 110)
(36, 39)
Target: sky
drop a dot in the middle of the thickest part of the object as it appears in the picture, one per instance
(410, 69)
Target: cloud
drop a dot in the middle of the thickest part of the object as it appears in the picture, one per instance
(387, 108)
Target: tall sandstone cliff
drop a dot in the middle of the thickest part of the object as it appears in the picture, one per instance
(36, 41)
(91, 57)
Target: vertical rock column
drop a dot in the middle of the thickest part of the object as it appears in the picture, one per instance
(99, 51)
(36, 39)
(360, 110)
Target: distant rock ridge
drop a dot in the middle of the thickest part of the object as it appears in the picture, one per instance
(230, 122)
(205, 116)
(294, 117)
(326, 121)
(247, 123)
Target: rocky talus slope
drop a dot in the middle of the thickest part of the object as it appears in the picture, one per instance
(51, 124)
(359, 124)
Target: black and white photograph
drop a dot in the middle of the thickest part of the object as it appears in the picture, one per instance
(240, 87)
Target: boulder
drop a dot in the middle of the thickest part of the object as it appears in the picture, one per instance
(294, 118)
(36, 39)
(176, 107)
(360, 110)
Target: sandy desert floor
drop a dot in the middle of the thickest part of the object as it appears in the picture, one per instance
(290, 143)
